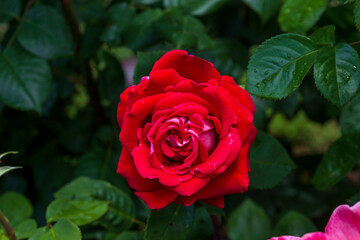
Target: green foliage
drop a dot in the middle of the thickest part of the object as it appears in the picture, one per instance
(336, 73)
(144, 64)
(279, 65)
(265, 9)
(294, 224)
(267, 172)
(172, 222)
(299, 16)
(24, 79)
(324, 35)
(80, 212)
(350, 116)
(44, 33)
(120, 212)
(9, 9)
(195, 7)
(15, 207)
(246, 220)
(62, 230)
(337, 161)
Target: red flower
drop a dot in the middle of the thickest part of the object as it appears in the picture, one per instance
(186, 132)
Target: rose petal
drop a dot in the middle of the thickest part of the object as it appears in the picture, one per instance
(308, 236)
(227, 150)
(187, 201)
(192, 186)
(188, 66)
(127, 169)
(240, 94)
(141, 156)
(228, 182)
(157, 199)
(133, 120)
(122, 105)
(217, 201)
(344, 223)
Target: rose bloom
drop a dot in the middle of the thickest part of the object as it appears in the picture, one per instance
(186, 132)
(344, 224)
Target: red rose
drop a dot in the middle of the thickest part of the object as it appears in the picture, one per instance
(186, 132)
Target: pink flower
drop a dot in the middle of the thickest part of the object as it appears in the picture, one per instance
(344, 224)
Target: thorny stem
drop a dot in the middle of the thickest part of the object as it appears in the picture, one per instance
(73, 24)
(216, 227)
(14, 35)
(8, 229)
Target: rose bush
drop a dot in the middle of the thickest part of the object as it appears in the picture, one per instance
(186, 132)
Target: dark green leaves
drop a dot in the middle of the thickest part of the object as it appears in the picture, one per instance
(337, 161)
(248, 222)
(144, 64)
(80, 212)
(120, 212)
(24, 79)
(44, 33)
(279, 65)
(62, 230)
(9, 9)
(324, 35)
(15, 207)
(357, 14)
(300, 15)
(270, 163)
(172, 222)
(337, 73)
(350, 116)
(264, 8)
(183, 31)
(294, 224)
(195, 7)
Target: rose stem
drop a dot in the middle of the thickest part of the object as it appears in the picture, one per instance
(8, 229)
(216, 227)
(85, 66)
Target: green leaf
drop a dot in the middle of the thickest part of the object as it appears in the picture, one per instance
(25, 80)
(130, 235)
(62, 230)
(183, 31)
(248, 222)
(25, 229)
(337, 161)
(7, 153)
(15, 207)
(9, 9)
(300, 15)
(350, 116)
(267, 172)
(6, 169)
(171, 222)
(141, 33)
(80, 212)
(337, 73)
(357, 14)
(44, 33)
(264, 8)
(120, 215)
(202, 226)
(111, 78)
(144, 64)
(294, 224)
(354, 199)
(3, 236)
(119, 15)
(195, 7)
(279, 65)
(324, 35)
